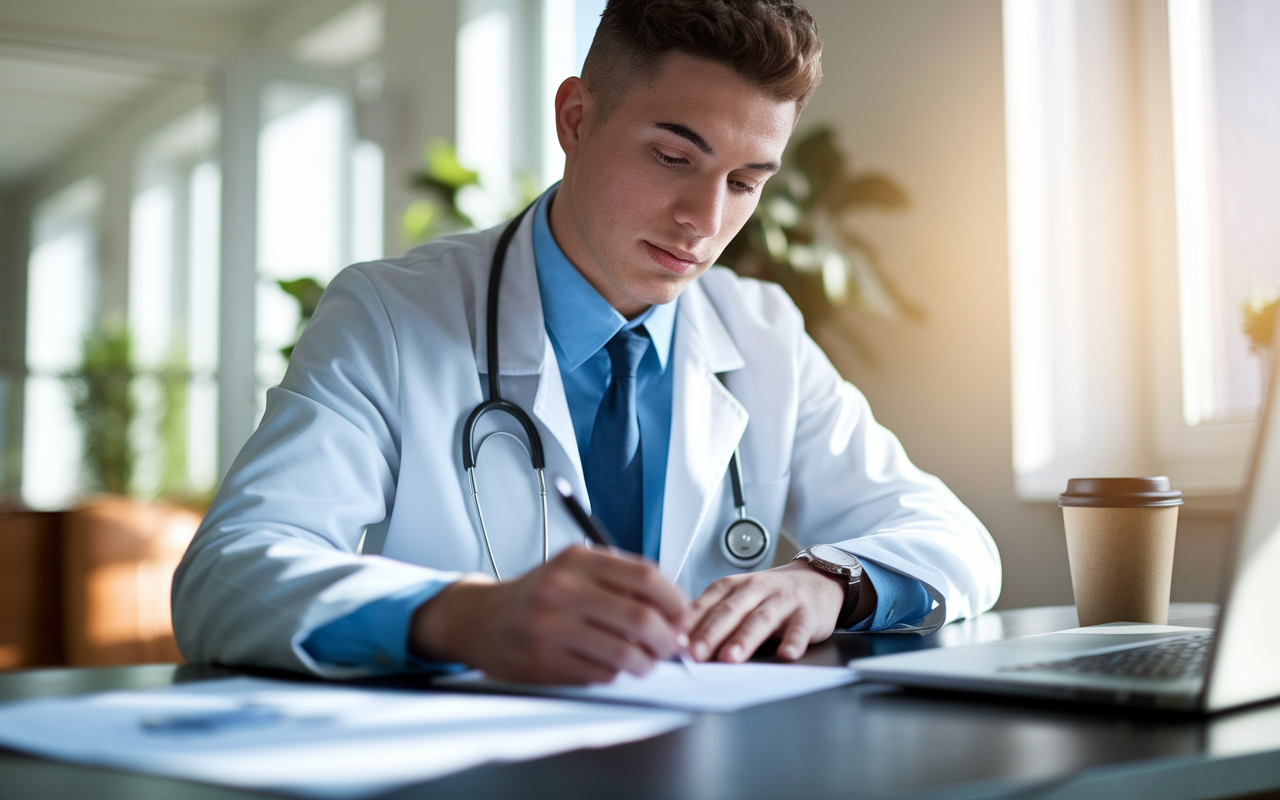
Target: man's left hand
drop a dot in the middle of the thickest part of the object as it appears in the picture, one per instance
(795, 602)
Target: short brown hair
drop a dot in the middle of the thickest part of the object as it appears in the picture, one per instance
(774, 44)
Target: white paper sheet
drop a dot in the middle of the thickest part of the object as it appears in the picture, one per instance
(711, 687)
(314, 740)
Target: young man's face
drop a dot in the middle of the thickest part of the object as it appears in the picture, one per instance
(654, 192)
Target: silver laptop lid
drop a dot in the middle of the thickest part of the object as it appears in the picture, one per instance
(1246, 662)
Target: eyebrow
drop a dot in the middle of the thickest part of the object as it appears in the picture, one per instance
(693, 136)
(687, 133)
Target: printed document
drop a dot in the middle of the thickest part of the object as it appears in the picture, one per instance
(708, 686)
(313, 740)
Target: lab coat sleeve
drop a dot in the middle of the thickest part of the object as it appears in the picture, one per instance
(853, 486)
(275, 557)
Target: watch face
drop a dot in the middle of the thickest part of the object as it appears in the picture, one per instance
(833, 555)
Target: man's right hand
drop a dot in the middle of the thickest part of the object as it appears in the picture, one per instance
(583, 617)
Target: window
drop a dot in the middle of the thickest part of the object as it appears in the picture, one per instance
(319, 207)
(1142, 211)
(568, 27)
(1076, 301)
(1224, 55)
(303, 196)
(510, 64)
(61, 298)
(173, 301)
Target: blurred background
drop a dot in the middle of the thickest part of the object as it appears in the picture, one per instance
(1043, 237)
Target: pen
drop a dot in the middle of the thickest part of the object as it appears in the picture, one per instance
(591, 526)
(598, 533)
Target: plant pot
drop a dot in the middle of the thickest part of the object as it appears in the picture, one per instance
(119, 556)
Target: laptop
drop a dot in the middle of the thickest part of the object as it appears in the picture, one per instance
(1155, 666)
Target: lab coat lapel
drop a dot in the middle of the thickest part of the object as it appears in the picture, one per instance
(707, 422)
(523, 345)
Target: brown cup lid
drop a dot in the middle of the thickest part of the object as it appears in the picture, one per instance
(1120, 493)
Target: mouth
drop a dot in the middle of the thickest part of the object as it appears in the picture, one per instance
(673, 259)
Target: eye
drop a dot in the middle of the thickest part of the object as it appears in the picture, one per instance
(671, 161)
(745, 188)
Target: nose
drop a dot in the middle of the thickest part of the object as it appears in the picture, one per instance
(700, 209)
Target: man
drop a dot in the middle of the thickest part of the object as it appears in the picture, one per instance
(642, 371)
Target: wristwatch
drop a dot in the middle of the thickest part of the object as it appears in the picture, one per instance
(843, 567)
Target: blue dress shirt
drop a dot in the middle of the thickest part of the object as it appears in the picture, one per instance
(579, 321)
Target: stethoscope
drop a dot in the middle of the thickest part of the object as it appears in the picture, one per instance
(745, 541)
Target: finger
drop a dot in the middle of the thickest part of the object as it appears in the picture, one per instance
(581, 670)
(567, 668)
(570, 590)
(631, 620)
(714, 593)
(629, 575)
(796, 635)
(550, 653)
(759, 624)
(608, 649)
(723, 619)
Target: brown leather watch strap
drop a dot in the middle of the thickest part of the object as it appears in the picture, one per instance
(849, 575)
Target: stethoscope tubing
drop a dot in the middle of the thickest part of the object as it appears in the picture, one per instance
(495, 403)
(537, 456)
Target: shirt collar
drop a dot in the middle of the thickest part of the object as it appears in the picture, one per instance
(579, 320)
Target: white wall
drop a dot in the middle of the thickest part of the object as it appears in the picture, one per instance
(916, 89)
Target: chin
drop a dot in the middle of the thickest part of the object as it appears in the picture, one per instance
(663, 290)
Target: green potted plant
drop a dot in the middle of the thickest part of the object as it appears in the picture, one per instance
(102, 397)
(442, 180)
(118, 553)
(802, 237)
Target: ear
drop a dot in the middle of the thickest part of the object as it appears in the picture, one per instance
(573, 110)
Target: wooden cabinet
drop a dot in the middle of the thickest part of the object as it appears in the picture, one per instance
(30, 589)
(90, 586)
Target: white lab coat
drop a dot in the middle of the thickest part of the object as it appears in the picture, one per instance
(363, 436)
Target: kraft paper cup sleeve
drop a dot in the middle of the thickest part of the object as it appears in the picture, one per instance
(1121, 534)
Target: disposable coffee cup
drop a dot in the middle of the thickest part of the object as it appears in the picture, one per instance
(1120, 537)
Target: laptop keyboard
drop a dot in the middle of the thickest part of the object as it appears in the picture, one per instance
(1176, 658)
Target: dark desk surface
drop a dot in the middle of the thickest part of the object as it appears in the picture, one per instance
(864, 740)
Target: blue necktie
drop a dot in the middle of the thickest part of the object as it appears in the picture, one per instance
(615, 479)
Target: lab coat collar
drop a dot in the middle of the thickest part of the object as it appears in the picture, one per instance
(707, 422)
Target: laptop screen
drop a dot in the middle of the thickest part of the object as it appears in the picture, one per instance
(1246, 664)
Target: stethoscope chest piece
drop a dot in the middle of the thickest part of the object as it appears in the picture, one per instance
(744, 543)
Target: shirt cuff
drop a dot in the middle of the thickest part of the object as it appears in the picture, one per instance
(376, 635)
(900, 600)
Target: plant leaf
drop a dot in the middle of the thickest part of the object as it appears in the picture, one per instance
(819, 158)
(868, 272)
(307, 291)
(442, 164)
(871, 190)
